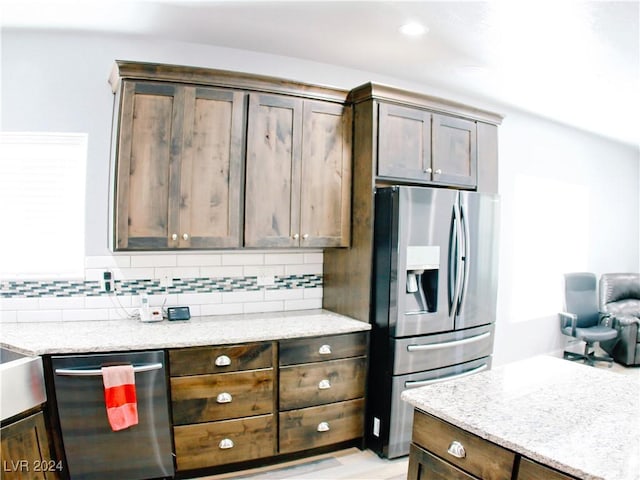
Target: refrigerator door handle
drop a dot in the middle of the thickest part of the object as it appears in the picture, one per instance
(457, 260)
(94, 372)
(464, 256)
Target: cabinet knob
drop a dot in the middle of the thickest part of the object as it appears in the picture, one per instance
(324, 384)
(185, 236)
(296, 236)
(438, 171)
(222, 361)
(456, 449)
(225, 444)
(305, 236)
(174, 237)
(323, 427)
(428, 170)
(224, 397)
(325, 350)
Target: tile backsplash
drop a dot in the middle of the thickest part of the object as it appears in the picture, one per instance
(209, 283)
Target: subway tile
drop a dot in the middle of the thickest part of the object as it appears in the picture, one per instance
(50, 303)
(138, 261)
(241, 297)
(306, 269)
(259, 307)
(189, 299)
(8, 316)
(217, 272)
(95, 274)
(123, 314)
(20, 303)
(221, 309)
(108, 301)
(314, 257)
(263, 270)
(134, 273)
(283, 258)
(308, 304)
(81, 315)
(107, 261)
(242, 259)
(185, 260)
(284, 294)
(176, 272)
(26, 316)
(315, 292)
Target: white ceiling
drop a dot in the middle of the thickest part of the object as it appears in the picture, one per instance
(575, 62)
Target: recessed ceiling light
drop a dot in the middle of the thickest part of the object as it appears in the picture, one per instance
(413, 29)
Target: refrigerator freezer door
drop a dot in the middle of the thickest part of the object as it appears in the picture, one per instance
(480, 223)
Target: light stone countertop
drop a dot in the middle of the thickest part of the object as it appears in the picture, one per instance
(578, 419)
(125, 335)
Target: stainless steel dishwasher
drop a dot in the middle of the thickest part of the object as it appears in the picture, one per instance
(92, 449)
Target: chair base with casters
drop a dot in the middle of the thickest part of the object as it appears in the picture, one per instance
(590, 336)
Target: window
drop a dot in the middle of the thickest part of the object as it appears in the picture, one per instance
(42, 205)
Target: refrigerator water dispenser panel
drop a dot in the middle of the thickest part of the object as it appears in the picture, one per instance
(422, 265)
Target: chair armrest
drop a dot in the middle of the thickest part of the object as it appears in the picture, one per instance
(606, 319)
(566, 319)
(625, 320)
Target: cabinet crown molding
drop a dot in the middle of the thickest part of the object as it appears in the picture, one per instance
(124, 69)
(387, 93)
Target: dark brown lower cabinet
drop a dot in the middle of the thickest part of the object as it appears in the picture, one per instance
(25, 450)
(441, 451)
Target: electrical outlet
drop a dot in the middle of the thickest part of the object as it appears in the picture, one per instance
(107, 281)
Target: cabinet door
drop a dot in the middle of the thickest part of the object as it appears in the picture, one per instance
(530, 470)
(272, 199)
(25, 450)
(148, 155)
(404, 143)
(454, 159)
(211, 169)
(326, 175)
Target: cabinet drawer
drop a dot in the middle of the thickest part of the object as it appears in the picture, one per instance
(319, 426)
(199, 360)
(482, 458)
(316, 349)
(204, 398)
(534, 471)
(424, 466)
(228, 441)
(321, 382)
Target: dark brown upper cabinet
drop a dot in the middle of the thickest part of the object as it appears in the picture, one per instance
(178, 167)
(298, 172)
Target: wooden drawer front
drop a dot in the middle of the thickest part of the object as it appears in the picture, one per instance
(319, 426)
(204, 398)
(482, 458)
(322, 382)
(203, 445)
(424, 466)
(534, 471)
(199, 360)
(316, 349)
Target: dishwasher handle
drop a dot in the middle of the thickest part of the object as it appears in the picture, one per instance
(96, 372)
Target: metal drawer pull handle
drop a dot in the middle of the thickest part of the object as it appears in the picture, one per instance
(72, 372)
(223, 361)
(421, 383)
(455, 343)
(224, 397)
(324, 350)
(323, 427)
(225, 443)
(324, 384)
(456, 449)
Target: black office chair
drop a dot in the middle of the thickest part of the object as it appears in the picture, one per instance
(581, 318)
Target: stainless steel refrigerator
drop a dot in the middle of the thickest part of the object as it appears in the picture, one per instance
(433, 299)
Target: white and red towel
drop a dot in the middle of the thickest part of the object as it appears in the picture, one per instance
(120, 396)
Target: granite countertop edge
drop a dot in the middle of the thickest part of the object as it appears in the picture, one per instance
(62, 337)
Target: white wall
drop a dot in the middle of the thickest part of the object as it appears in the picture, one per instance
(58, 82)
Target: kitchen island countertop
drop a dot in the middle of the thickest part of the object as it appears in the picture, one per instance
(581, 420)
(43, 338)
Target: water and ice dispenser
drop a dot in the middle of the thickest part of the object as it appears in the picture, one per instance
(422, 268)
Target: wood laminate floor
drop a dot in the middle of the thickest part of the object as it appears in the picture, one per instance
(349, 464)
